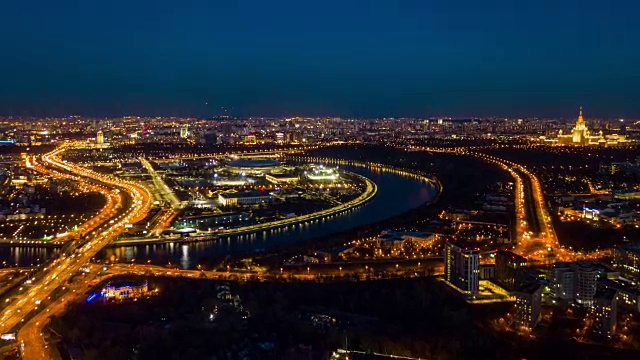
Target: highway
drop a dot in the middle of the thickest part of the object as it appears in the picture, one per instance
(34, 346)
(529, 202)
(129, 202)
(58, 271)
(533, 244)
(113, 199)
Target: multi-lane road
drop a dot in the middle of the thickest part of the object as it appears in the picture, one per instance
(135, 203)
(34, 345)
(128, 202)
(534, 232)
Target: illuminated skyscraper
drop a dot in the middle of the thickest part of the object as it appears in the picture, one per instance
(581, 135)
(99, 138)
(184, 131)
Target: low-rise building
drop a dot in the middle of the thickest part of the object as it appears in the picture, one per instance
(125, 290)
(245, 198)
(282, 178)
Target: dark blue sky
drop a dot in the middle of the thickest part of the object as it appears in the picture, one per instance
(305, 57)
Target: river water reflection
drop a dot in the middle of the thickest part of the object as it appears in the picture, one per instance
(396, 194)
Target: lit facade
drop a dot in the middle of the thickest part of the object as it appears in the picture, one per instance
(462, 266)
(528, 304)
(321, 173)
(124, 291)
(628, 294)
(578, 280)
(580, 135)
(627, 260)
(282, 178)
(586, 277)
(563, 281)
(184, 131)
(604, 312)
(245, 198)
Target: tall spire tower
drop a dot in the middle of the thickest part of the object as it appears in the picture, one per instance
(580, 131)
(580, 118)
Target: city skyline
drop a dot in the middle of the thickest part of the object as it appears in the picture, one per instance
(419, 179)
(413, 59)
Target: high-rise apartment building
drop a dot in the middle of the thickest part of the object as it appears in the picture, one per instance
(586, 278)
(528, 304)
(461, 266)
(604, 312)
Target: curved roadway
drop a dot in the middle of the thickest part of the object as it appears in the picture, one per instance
(36, 297)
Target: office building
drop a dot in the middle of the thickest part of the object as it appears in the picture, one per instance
(461, 266)
(99, 138)
(604, 312)
(507, 266)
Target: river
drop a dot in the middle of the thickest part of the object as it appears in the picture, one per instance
(396, 194)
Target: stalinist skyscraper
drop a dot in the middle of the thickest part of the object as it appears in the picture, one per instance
(581, 135)
(580, 132)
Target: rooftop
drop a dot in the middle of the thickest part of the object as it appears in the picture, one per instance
(606, 294)
(512, 255)
(635, 247)
(283, 176)
(465, 246)
(245, 194)
(242, 162)
(529, 287)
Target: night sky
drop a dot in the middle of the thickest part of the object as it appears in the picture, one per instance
(305, 57)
